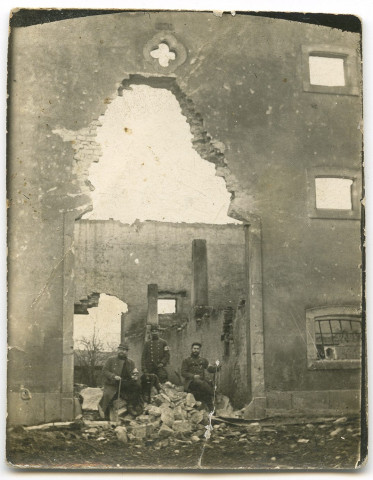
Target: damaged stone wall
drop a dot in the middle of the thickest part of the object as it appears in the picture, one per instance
(234, 378)
(251, 99)
(123, 259)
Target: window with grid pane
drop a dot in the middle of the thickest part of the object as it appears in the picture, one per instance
(334, 337)
(338, 338)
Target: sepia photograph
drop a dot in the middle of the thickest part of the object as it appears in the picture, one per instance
(186, 243)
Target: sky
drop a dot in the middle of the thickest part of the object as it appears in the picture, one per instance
(102, 321)
(149, 169)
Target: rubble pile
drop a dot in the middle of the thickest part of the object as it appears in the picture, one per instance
(172, 415)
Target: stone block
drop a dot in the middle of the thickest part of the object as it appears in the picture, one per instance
(150, 429)
(279, 400)
(121, 433)
(345, 400)
(172, 395)
(167, 416)
(139, 431)
(91, 397)
(179, 413)
(165, 431)
(68, 373)
(155, 423)
(161, 400)
(197, 416)
(67, 409)
(309, 400)
(256, 409)
(25, 412)
(190, 401)
(155, 411)
(143, 418)
(182, 426)
(53, 407)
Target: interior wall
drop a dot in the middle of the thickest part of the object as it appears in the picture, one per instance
(123, 259)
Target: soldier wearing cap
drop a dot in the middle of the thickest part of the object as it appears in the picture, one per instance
(194, 369)
(120, 370)
(156, 355)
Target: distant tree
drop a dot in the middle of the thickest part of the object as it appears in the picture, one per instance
(90, 357)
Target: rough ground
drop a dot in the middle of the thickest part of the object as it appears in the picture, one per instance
(329, 443)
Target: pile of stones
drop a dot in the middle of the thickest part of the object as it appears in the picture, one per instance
(172, 414)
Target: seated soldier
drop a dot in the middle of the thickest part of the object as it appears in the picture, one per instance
(120, 372)
(193, 370)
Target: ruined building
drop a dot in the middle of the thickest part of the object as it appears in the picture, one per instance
(274, 109)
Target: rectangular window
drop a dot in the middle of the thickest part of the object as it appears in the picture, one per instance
(327, 71)
(333, 193)
(330, 69)
(333, 337)
(338, 338)
(166, 306)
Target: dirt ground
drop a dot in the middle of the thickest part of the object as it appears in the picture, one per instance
(321, 444)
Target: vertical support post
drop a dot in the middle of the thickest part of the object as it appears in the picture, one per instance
(152, 318)
(199, 273)
(67, 293)
(122, 327)
(256, 309)
(256, 409)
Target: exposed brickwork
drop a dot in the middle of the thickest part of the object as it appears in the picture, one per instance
(86, 151)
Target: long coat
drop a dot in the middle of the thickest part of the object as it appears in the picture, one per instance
(194, 366)
(154, 353)
(113, 367)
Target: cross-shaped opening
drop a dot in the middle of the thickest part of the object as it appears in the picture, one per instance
(163, 54)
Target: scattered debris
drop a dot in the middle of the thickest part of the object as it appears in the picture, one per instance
(175, 420)
(91, 397)
(340, 420)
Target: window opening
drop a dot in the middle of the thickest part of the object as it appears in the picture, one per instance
(96, 335)
(327, 71)
(331, 69)
(338, 338)
(333, 193)
(100, 325)
(166, 306)
(163, 54)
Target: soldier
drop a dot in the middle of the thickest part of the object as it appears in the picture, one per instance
(156, 355)
(120, 372)
(193, 369)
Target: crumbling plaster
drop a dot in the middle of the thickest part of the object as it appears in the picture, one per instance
(251, 100)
